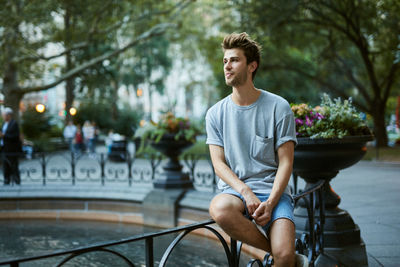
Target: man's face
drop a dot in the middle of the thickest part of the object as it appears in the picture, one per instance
(235, 67)
(6, 117)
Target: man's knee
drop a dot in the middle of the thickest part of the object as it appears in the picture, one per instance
(222, 208)
(284, 257)
(218, 211)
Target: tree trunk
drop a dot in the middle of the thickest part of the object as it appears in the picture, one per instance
(11, 92)
(70, 82)
(380, 126)
(114, 107)
(69, 97)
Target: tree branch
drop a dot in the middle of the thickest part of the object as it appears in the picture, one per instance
(318, 80)
(157, 30)
(350, 75)
(357, 39)
(42, 57)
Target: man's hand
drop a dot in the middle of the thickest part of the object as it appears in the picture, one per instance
(252, 201)
(262, 214)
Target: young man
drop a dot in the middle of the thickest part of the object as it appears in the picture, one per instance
(251, 136)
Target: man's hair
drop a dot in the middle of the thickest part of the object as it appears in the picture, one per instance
(251, 49)
(7, 111)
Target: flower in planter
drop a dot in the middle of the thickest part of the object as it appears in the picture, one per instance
(181, 128)
(331, 119)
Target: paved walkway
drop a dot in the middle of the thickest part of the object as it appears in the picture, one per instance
(370, 192)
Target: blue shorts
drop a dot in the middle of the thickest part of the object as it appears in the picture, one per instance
(284, 208)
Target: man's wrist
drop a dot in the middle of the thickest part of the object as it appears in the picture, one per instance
(270, 202)
(245, 190)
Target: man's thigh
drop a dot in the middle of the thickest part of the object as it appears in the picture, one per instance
(226, 203)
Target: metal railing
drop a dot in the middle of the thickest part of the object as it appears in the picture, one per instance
(107, 168)
(309, 244)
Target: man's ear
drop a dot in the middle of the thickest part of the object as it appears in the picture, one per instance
(253, 66)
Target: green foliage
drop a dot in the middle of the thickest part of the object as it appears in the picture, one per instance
(34, 124)
(181, 128)
(332, 119)
(198, 148)
(349, 48)
(100, 113)
(127, 122)
(123, 121)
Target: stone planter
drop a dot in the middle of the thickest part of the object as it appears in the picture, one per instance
(316, 159)
(172, 176)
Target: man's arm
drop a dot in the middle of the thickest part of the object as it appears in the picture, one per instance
(12, 132)
(285, 154)
(228, 176)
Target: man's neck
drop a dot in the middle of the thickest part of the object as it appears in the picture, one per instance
(245, 95)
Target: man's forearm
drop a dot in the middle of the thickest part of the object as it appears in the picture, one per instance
(281, 181)
(225, 173)
(285, 153)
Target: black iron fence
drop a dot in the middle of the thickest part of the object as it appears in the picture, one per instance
(309, 243)
(107, 168)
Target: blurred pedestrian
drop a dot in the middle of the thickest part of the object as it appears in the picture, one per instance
(89, 134)
(11, 147)
(79, 145)
(69, 134)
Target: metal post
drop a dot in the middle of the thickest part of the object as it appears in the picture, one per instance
(130, 162)
(73, 167)
(44, 168)
(234, 257)
(149, 252)
(102, 163)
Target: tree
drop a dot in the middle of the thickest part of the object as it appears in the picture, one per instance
(350, 48)
(28, 28)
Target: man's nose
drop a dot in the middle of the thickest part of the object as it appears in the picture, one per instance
(228, 65)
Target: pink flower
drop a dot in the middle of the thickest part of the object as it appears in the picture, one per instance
(308, 121)
(299, 121)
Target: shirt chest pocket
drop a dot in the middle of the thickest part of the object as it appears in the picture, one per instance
(263, 150)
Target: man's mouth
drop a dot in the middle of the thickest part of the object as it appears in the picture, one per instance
(228, 74)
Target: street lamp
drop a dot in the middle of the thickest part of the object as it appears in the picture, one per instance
(40, 108)
(72, 111)
(139, 92)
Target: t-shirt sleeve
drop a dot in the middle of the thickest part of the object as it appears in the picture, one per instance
(285, 130)
(214, 136)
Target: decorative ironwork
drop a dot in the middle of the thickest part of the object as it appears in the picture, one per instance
(102, 169)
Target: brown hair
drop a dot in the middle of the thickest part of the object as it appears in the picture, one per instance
(251, 48)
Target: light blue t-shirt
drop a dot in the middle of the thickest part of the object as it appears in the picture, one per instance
(250, 136)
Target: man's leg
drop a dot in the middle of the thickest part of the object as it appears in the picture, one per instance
(6, 170)
(227, 211)
(15, 171)
(282, 236)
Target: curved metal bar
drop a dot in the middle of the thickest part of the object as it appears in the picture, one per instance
(67, 259)
(238, 251)
(321, 202)
(252, 261)
(268, 260)
(316, 187)
(170, 248)
(313, 241)
(309, 240)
